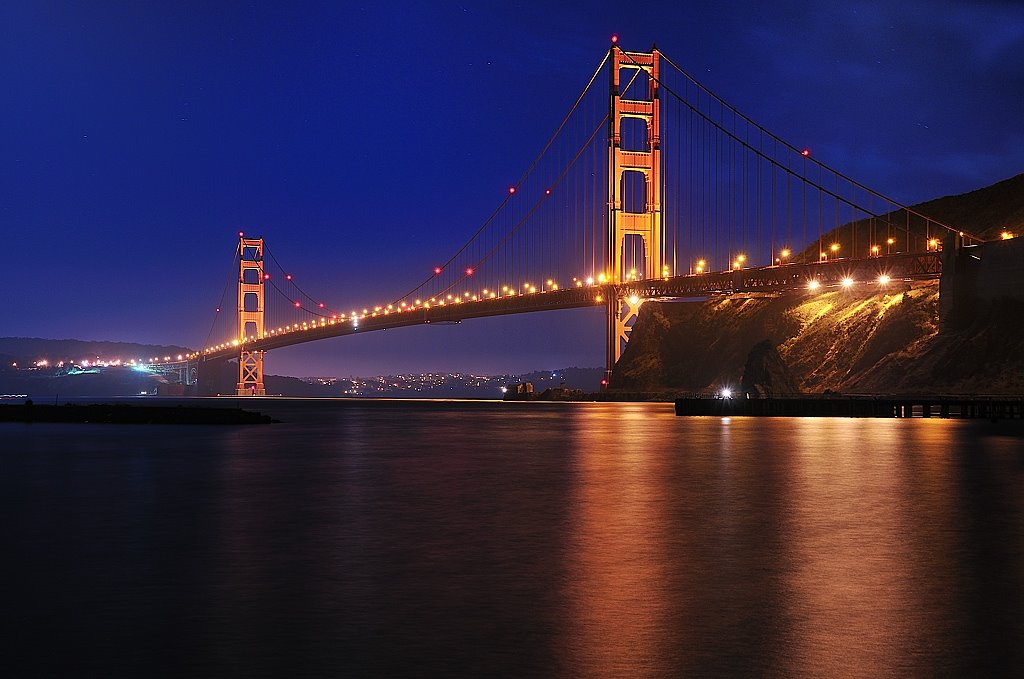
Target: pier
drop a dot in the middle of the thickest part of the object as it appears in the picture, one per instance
(959, 407)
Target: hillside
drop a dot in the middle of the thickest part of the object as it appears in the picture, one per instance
(985, 213)
(26, 350)
(855, 341)
(836, 341)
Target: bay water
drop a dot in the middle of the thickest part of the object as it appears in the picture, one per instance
(467, 538)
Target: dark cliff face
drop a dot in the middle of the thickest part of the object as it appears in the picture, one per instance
(690, 346)
(852, 342)
(766, 373)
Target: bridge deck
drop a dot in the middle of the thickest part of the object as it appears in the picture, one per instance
(905, 267)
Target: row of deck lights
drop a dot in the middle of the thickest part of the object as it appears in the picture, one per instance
(848, 282)
(528, 288)
(465, 297)
(738, 262)
(419, 304)
(506, 291)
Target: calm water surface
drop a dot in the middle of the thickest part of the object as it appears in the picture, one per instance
(464, 538)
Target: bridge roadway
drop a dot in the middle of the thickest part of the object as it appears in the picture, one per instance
(898, 267)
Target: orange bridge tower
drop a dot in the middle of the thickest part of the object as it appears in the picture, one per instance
(251, 307)
(644, 227)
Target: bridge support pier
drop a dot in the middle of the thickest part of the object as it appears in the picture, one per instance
(622, 314)
(250, 374)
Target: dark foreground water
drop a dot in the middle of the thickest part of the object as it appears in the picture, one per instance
(483, 539)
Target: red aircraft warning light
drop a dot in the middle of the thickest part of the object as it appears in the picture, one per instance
(615, 38)
(298, 304)
(469, 271)
(511, 189)
(805, 153)
(437, 270)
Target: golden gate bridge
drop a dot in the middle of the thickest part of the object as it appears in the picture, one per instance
(651, 187)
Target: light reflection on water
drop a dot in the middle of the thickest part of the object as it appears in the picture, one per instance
(438, 538)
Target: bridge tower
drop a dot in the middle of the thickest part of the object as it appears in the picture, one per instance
(251, 307)
(645, 225)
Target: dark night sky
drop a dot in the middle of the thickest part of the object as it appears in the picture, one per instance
(366, 140)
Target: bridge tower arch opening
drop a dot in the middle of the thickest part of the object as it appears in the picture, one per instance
(642, 226)
(251, 309)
